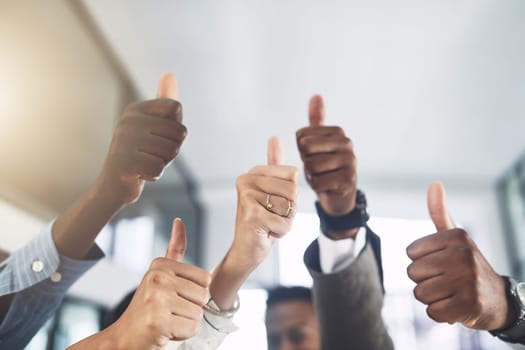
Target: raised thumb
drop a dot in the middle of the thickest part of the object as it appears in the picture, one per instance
(168, 87)
(177, 244)
(316, 111)
(437, 207)
(275, 151)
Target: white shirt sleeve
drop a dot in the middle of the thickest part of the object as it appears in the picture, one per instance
(212, 331)
(335, 255)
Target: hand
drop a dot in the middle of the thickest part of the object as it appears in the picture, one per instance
(329, 161)
(256, 226)
(453, 277)
(166, 306)
(147, 138)
(168, 303)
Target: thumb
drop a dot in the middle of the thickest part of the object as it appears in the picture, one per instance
(177, 244)
(437, 207)
(168, 87)
(275, 151)
(316, 111)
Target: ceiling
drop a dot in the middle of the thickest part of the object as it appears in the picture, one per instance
(426, 89)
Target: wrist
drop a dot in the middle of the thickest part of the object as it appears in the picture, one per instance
(344, 234)
(105, 192)
(346, 225)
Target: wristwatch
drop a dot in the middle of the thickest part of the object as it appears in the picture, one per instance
(358, 217)
(515, 333)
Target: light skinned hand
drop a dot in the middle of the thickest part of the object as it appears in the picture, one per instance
(166, 306)
(256, 226)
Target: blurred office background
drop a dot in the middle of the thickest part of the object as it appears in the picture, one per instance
(427, 90)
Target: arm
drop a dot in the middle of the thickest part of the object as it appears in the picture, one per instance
(147, 137)
(256, 229)
(348, 299)
(166, 306)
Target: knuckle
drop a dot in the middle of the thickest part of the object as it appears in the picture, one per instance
(410, 271)
(242, 181)
(157, 263)
(419, 293)
(339, 130)
(461, 235)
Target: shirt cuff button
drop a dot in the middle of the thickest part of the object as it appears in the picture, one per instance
(37, 266)
(56, 277)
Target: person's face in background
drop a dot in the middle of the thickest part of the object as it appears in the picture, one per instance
(292, 325)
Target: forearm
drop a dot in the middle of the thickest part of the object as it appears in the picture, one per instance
(227, 279)
(75, 230)
(102, 341)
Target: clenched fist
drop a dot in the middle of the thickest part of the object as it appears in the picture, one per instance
(453, 277)
(329, 161)
(147, 138)
(266, 198)
(166, 306)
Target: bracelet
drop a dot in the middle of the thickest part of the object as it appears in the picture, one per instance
(358, 217)
(213, 309)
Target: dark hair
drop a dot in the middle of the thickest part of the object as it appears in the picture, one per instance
(118, 310)
(281, 294)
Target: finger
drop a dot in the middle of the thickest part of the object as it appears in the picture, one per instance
(177, 244)
(310, 145)
(149, 167)
(285, 172)
(278, 205)
(319, 164)
(186, 271)
(275, 224)
(191, 291)
(185, 308)
(339, 181)
(437, 207)
(429, 266)
(316, 111)
(445, 310)
(268, 184)
(319, 131)
(162, 108)
(433, 290)
(160, 147)
(275, 151)
(427, 245)
(182, 328)
(168, 87)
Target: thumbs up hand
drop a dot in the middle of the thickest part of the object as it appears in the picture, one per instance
(452, 276)
(168, 302)
(167, 305)
(329, 161)
(147, 138)
(266, 198)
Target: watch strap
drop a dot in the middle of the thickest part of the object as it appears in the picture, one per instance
(515, 333)
(358, 217)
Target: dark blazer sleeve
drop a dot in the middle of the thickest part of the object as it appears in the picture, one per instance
(349, 302)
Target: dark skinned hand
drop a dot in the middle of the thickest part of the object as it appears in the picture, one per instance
(147, 138)
(453, 277)
(329, 162)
